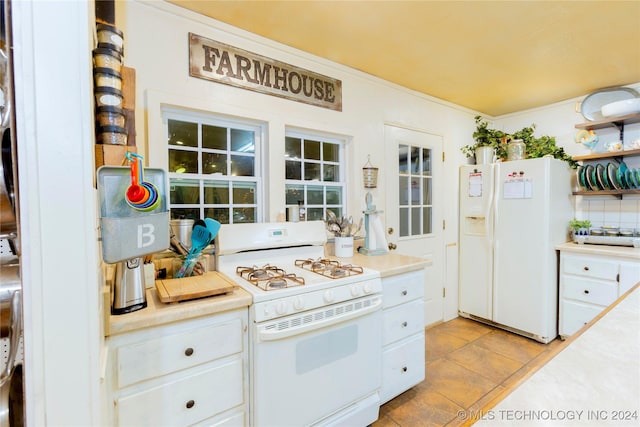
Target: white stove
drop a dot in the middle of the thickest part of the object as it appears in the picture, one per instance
(314, 322)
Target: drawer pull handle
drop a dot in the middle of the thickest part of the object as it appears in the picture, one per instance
(586, 268)
(586, 291)
(404, 293)
(404, 324)
(190, 404)
(188, 352)
(404, 369)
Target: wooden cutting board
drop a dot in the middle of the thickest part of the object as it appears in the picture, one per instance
(187, 288)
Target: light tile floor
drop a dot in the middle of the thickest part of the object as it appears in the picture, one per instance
(468, 366)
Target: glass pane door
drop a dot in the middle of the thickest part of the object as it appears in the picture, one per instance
(415, 190)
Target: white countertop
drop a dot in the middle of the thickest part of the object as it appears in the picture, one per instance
(593, 381)
(587, 249)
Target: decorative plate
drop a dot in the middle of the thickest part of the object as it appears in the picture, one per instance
(589, 173)
(620, 175)
(602, 178)
(612, 170)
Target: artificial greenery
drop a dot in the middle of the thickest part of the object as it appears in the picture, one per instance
(535, 146)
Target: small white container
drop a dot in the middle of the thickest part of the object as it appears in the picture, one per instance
(344, 247)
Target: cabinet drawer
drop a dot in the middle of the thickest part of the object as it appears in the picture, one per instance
(574, 315)
(402, 288)
(402, 367)
(590, 267)
(165, 354)
(185, 401)
(401, 321)
(590, 291)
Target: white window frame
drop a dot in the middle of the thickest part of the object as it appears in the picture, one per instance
(305, 184)
(213, 119)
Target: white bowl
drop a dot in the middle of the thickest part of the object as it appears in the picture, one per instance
(621, 108)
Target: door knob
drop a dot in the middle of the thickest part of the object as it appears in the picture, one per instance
(392, 246)
(390, 230)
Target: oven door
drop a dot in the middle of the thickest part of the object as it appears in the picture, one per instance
(328, 375)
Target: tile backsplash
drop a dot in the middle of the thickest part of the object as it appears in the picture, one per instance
(612, 212)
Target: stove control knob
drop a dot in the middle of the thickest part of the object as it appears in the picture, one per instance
(281, 307)
(355, 291)
(298, 303)
(367, 288)
(329, 296)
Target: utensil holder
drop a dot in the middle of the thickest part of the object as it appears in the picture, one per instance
(343, 247)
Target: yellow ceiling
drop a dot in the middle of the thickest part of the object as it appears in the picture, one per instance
(495, 57)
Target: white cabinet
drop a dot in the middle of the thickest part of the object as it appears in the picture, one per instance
(589, 284)
(403, 357)
(192, 372)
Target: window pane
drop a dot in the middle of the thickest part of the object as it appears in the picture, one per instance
(403, 191)
(219, 214)
(293, 170)
(311, 171)
(330, 152)
(404, 222)
(214, 137)
(427, 191)
(315, 195)
(185, 191)
(185, 213)
(242, 166)
(334, 195)
(294, 193)
(426, 162)
(403, 162)
(244, 193)
(183, 134)
(415, 221)
(415, 191)
(216, 192)
(241, 215)
(293, 148)
(426, 220)
(242, 140)
(214, 163)
(312, 149)
(331, 173)
(315, 214)
(415, 160)
(181, 161)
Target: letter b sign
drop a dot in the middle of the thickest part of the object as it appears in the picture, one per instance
(146, 236)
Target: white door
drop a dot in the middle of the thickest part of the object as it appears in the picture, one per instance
(413, 208)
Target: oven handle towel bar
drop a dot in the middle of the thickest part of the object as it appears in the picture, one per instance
(275, 334)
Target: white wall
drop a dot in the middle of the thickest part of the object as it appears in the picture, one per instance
(59, 262)
(559, 120)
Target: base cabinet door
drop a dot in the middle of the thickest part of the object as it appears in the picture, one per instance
(402, 366)
(575, 315)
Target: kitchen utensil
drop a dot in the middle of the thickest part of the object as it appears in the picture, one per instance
(209, 284)
(213, 226)
(200, 239)
(140, 195)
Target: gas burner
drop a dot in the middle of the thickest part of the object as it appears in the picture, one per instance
(329, 268)
(269, 277)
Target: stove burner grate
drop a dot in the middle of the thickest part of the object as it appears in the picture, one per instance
(329, 268)
(269, 277)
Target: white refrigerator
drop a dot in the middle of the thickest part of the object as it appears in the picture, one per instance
(512, 214)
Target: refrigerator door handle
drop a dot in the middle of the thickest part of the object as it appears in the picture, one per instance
(488, 220)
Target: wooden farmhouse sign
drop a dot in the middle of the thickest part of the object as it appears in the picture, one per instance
(219, 62)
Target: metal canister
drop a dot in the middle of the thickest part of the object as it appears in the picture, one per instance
(181, 228)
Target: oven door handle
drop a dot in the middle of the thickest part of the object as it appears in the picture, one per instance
(272, 335)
